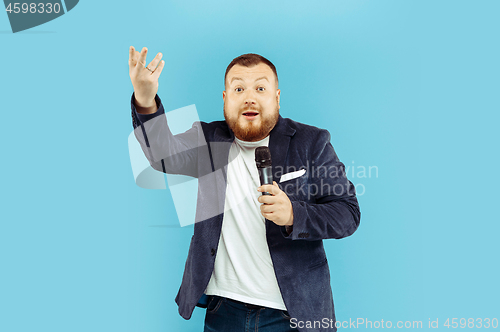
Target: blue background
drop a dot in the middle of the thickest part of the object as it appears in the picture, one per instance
(410, 87)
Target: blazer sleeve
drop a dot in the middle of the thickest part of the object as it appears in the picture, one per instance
(334, 211)
(168, 153)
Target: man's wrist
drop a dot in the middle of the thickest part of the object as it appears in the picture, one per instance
(145, 108)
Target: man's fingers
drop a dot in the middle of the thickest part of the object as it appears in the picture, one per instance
(267, 208)
(158, 70)
(152, 65)
(131, 57)
(142, 57)
(273, 190)
(267, 199)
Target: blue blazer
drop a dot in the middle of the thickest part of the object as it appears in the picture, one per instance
(323, 201)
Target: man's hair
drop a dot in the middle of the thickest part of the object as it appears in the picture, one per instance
(250, 60)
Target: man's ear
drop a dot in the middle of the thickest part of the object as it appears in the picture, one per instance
(224, 95)
(278, 92)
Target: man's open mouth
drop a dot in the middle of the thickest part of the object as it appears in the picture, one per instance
(250, 114)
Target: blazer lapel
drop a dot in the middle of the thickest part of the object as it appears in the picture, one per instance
(278, 145)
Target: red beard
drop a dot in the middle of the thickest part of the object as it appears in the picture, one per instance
(252, 132)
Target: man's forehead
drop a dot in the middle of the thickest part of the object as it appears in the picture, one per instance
(250, 73)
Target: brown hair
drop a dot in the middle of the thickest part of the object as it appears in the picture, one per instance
(250, 60)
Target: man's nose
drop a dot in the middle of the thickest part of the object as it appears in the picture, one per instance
(250, 99)
(249, 102)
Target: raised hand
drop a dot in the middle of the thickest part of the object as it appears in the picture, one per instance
(144, 78)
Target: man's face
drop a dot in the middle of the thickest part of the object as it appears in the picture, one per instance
(251, 102)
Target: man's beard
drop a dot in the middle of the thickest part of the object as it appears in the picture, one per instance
(252, 132)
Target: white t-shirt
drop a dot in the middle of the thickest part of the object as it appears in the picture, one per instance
(243, 268)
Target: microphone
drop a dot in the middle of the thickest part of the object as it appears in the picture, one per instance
(264, 166)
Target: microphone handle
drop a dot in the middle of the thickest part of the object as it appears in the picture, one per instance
(266, 177)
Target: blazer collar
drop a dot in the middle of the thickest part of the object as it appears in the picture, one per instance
(279, 141)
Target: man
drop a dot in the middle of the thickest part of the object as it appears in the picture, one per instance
(256, 262)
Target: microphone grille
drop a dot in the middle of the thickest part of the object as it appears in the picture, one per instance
(263, 157)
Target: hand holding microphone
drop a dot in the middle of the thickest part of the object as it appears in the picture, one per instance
(277, 206)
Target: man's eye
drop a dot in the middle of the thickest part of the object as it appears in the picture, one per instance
(261, 88)
(238, 89)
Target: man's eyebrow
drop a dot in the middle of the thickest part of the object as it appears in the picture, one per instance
(238, 78)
